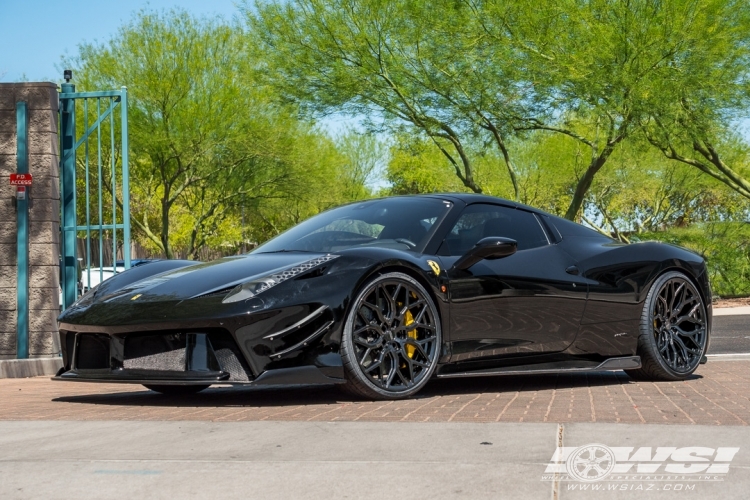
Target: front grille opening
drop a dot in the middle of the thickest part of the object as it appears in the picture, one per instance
(229, 356)
(92, 352)
(165, 352)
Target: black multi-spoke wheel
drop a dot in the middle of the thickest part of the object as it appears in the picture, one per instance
(391, 339)
(674, 330)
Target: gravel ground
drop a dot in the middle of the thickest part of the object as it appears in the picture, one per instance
(738, 302)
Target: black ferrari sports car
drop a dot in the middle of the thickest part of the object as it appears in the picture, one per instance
(383, 295)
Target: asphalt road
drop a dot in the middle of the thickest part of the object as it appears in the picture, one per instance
(730, 335)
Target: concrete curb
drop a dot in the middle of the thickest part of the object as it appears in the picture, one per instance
(743, 356)
(35, 367)
(732, 311)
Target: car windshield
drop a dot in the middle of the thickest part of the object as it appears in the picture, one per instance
(402, 223)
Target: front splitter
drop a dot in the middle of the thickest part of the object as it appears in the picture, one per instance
(301, 375)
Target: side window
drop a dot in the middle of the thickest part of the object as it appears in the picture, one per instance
(480, 221)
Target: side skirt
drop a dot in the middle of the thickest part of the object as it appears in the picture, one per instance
(574, 366)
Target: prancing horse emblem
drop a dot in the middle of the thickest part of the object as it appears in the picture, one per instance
(435, 267)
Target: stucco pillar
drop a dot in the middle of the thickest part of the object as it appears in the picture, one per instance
(44, 218)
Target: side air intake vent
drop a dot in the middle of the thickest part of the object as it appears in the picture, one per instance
(217, 293)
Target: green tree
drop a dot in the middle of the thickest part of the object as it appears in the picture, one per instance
(395, 62)
(417, 167)
(599, 71)
(364, 156)
(724, 245)
(205, 139)
(471, 73)
(694, 120)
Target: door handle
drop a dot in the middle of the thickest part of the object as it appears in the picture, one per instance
(572, 270)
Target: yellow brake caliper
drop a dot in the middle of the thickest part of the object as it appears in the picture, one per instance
(412, 334)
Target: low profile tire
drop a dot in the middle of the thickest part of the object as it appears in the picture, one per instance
(176, 390)
(392, 338)
(674, 330)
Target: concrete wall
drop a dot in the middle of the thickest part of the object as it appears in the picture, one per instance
(44, 218)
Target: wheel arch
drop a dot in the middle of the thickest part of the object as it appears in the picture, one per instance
(690, 275)
(411, 272)
(414, 272)
(704, 291)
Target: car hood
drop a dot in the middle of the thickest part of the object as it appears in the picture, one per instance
(208, 278)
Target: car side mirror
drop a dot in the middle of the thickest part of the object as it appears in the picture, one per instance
(487, 248)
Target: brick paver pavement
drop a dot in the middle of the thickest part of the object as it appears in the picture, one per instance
(718, 394)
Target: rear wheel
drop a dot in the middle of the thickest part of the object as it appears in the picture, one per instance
(674, 330)
(176, 390)
(392, 337)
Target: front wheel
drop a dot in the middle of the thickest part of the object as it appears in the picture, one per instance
(176, 390)
(392, 338)
(674, 330)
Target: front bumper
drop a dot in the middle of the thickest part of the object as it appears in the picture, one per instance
(170, 358)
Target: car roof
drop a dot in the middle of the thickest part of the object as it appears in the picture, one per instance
(466, 198)
(470, 198)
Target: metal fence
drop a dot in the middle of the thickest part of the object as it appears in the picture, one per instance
(94, 163)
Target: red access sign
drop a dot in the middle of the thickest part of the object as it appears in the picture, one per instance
(20, 179)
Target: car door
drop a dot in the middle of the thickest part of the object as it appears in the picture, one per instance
(529, 302)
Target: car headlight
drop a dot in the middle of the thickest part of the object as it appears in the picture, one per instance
(256, 286)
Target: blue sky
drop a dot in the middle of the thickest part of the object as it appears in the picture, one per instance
(34, 34)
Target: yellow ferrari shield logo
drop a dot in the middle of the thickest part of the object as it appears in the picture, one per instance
(435, 267)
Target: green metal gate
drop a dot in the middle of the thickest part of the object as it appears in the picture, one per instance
(94, 184)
